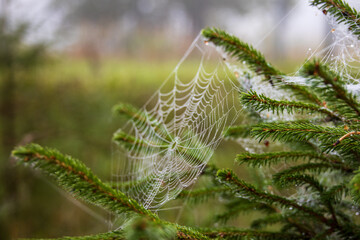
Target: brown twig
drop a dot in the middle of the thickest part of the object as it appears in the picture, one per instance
(345, 136)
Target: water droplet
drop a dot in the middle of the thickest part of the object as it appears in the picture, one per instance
(357, 213)
(290, 208)
(352, 45)
(206, 42)
(244, 62)
(309, 49)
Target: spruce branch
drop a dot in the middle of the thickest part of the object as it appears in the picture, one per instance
(189, 233)
(242, 51)
(342, 12)
(142, 228)
(255, 61)
(115, 235)
(304, 131)
(355, 187)
(306, 229)
(287, 174)
(76, 178)
(331, 87)
(294, 131)
(304, 179)
(326, 196)
(242, 188)
(268, 159)
(291, 176)
(260, 103)
(335, 193)
(346, 136)
(286, 180)
(234, 234)
(130, 112)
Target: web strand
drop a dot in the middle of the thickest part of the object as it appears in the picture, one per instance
(185, 120)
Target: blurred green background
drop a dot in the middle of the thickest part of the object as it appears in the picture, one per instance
(64, 64)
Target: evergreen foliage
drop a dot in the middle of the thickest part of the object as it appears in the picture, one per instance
(260, 102)
(320, 207)
(342, 12)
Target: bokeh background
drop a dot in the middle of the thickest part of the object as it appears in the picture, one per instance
(64, 64)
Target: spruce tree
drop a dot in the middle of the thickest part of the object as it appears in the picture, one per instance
(326, 144)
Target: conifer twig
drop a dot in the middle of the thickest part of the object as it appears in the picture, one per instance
(256, 61)
(231, 233)
(233, 182)
(260, 103)
(342, 12)
(330, 86)
(345, 136)
(115, 235)
(268, 159)
(75, 177)
(305, 131)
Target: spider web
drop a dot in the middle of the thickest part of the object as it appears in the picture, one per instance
(179, 128)
(344, 54)
(340, 49)
(182, 123)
